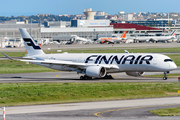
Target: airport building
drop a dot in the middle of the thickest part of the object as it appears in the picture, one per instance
(89, 32)
(89, 29)
(11, 30)
(155, 22)
(133, 28)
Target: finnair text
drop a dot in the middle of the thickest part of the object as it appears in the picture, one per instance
(131, 59)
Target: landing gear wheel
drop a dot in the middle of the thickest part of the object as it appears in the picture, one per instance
(85, 77)
(82, 78)
(164, 78)
(108, 77)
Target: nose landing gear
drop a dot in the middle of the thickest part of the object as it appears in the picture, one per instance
(165, 77)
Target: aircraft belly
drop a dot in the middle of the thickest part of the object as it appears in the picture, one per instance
(62, 68)
(132, 67)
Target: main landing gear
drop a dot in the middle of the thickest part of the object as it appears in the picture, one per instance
(85, 77)
(165, 77)
(108, 77)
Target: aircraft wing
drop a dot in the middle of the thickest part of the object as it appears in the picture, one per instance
(71, 64)
(60, 62)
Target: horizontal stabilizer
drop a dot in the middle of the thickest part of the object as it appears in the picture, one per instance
(18, 58)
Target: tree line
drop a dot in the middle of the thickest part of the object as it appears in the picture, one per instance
(37, 18)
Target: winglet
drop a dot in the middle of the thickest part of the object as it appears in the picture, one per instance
(126, 51)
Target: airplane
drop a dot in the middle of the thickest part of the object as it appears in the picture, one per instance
(157, 38)
(96, 65)
(113, 39)
(72, 39)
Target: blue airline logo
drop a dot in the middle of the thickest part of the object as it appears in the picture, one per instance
(29, 42)
(122, 60)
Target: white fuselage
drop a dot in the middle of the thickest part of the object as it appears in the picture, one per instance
(146, 62)
(155, 38)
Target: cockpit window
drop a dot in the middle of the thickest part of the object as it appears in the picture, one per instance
(167, 60)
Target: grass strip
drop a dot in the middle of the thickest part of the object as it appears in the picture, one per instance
(167, 112)
(48, 93)
(14, 66)
(176, 75)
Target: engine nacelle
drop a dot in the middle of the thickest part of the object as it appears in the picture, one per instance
(96, 71)
(136, 74)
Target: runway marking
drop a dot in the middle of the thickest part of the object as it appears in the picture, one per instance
(66, 105)
(97, 114)
(58, 76)
(7, 110)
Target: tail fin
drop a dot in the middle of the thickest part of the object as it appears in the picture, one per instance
(173, 33)
(30, 44)
(123, 35)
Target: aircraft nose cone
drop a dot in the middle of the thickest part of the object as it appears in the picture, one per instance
(173, 66)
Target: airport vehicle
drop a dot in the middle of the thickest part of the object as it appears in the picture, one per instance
(113, 39)
(148, 38)
(98, 65)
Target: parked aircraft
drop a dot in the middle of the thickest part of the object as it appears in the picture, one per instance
(98, 65)
(70, 39)
(113, 39)
(156, 38)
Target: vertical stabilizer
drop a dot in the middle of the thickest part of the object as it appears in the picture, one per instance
(173, 33)
(123, 35)
(31, 46)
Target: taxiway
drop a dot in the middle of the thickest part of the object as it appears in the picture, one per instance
(137, 109)
(74, 77)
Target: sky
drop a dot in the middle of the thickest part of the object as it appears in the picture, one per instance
(72, 7)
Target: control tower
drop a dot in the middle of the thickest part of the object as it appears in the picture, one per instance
(89, 14)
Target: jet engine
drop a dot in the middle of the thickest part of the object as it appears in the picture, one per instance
(136, 74)
(96, 71)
